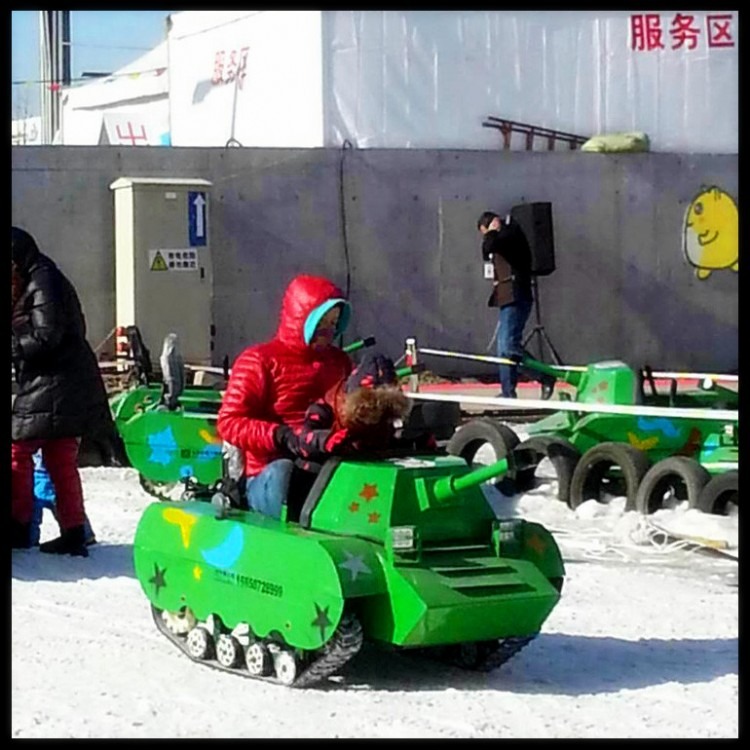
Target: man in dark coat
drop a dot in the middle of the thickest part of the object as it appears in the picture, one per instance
(60, 393)
(505, 246)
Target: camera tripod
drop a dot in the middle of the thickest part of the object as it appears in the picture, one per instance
(538, 329)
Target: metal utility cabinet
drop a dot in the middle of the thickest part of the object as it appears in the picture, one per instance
(163, 268)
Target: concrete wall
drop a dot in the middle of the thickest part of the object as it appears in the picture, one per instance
(399, 228)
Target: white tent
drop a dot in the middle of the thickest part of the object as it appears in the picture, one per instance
(128, 108)
(419, 79)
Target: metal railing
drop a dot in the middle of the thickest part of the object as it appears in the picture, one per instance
(531, 132)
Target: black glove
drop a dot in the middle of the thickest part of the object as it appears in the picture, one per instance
(318, 416)
(310, 445)
(374, 370)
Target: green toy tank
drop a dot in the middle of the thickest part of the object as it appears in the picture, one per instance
(403, 551)
(169, 445)
(653, 445)
(614, 383)
(167, 428)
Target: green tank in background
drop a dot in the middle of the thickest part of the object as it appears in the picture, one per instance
(167, 446)
(173, 442)
(167, 424)
(405, 552)
(654, 459)
(615, 383)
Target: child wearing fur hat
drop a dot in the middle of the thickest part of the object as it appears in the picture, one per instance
(355, 413)
(361, 414)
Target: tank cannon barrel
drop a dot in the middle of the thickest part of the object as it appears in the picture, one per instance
(359, 344)
(568, 375)
(447, 487)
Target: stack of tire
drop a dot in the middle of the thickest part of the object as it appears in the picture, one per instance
(583, 477)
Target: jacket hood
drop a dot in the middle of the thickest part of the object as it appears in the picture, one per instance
(304, 298)
(24, 250)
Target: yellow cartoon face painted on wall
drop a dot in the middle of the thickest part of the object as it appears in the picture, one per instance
(710, 236)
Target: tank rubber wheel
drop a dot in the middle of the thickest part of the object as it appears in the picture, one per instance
(680, 476)
(588, 479)
(720, 493)
(258, 659)
(199, 644)
(285, 666)
(228, 651)
(440, 418)
(562, 454)
(467, 440)
(179, 623)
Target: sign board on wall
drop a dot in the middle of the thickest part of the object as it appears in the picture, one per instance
(173, 260)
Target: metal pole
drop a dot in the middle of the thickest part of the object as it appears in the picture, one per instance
(66, 77)
(410, 360)
(537, 317)
(44, 74)
(50, 25)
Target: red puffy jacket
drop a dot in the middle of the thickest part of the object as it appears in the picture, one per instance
(275, 382)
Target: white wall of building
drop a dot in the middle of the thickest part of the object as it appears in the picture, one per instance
(428, 79)
(249, 78)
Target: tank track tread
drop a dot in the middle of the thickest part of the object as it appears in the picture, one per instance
(165, 491)
(157, 490)
(343, 645)
(485, 657)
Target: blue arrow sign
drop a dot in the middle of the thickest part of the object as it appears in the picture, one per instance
(197, 218)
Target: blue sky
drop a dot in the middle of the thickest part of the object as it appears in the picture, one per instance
(101, 41)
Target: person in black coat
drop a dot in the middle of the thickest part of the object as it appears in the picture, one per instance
(60, 394)
(505, 246)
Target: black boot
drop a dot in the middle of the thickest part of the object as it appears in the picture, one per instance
(88, 533)
(70, 542)
(548, 387)
(20, 534)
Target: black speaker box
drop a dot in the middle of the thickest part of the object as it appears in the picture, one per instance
(536, 221)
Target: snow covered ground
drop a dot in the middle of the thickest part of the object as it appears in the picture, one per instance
(643, 644)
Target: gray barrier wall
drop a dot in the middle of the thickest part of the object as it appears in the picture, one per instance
(398, 227)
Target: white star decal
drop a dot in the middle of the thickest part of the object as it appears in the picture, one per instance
(354, 564)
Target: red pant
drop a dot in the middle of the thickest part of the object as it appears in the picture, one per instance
(60, 457)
